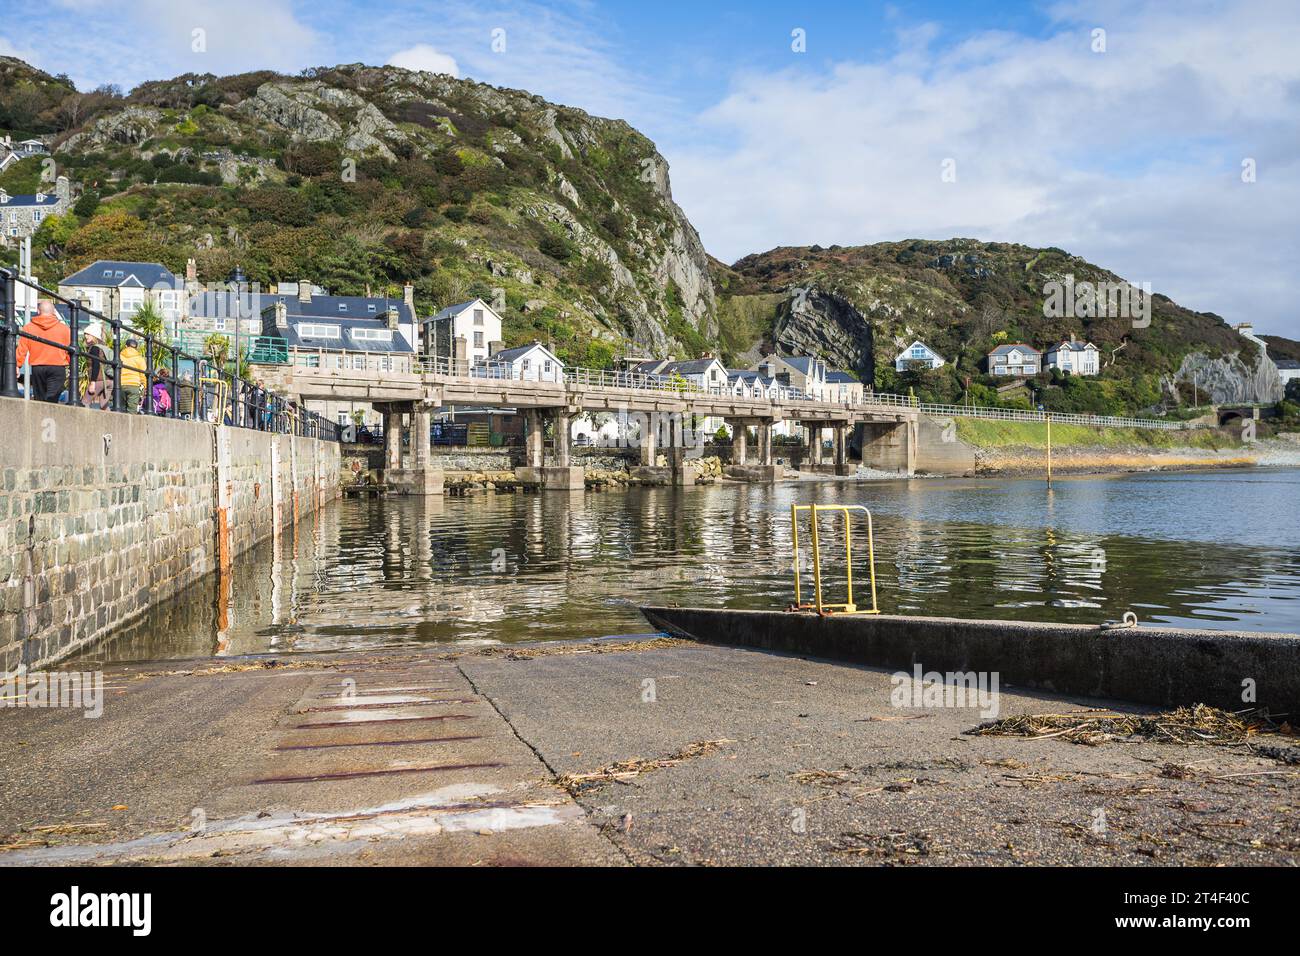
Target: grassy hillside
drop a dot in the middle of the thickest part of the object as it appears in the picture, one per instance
(984, 433)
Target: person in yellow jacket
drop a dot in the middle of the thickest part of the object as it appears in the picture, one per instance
(133, 376)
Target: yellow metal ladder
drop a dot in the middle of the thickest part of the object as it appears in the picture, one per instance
(820, 606)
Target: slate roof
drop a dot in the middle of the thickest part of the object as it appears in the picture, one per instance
(148, 275)
(330, 308)
(840, 377)
(1006, 349)
(509, 355)
(345, 340)
(29, 199)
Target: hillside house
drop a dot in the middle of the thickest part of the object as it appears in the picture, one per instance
(918, 355)
(1015, 359)
(22, 215)
(1077, 358)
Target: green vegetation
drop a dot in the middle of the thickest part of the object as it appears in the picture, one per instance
(989, 433)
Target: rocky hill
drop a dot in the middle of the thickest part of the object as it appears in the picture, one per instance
(358, 177)
(861, 306)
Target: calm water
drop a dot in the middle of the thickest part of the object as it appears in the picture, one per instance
(1205, 549)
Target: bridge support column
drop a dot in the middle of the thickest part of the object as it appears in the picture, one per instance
(891, 446)
(420, 477)
(840, 439)
(561, 476)
(765, 443)
(813, 433)
(533, 447)
(392, 440)
(739, 442)
(563, 438)
(650, 440)
(740, 468)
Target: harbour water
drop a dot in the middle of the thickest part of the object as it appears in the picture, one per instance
(1213, 549)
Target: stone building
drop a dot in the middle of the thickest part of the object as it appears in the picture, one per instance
(22, 215)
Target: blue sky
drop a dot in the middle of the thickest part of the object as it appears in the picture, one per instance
(1130, 155)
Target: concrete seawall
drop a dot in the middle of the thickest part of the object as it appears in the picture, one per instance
(104, 514)
(1150, 665)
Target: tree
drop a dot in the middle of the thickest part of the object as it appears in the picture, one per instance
(217, 349)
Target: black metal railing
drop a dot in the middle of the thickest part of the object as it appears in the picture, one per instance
(212, 393)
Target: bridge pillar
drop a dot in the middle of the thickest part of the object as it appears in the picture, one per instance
(533, 447)
(765, 443)
(392, 439)
(814, 438)
(739, 442)
(840, 438)
(420, 477)
(891, 446)
(563, 438)
(649, 438)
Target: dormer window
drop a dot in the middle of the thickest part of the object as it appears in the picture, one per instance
(343, 307)
(108, 273)
(370, 307)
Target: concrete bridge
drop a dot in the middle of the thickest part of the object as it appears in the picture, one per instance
(410, 394)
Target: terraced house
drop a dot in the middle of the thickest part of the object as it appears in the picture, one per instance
(121, 289)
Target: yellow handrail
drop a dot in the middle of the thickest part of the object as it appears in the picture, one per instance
(820, 606)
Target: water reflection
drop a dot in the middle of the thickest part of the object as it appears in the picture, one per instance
(511, 568)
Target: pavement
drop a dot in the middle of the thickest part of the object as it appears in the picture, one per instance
(617, 752)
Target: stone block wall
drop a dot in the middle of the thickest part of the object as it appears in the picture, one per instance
(103, 514)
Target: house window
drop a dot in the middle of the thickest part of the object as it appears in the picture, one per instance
(478, 316)
(547, 368)
(372, 335)
(314, 330)
(359, 361)
(527, 364)
(478, 340)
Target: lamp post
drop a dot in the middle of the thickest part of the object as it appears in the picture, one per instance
(237, 279)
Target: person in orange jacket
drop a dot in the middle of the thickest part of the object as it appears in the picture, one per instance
(49, 362)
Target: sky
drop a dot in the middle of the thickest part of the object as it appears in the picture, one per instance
(1158, 140)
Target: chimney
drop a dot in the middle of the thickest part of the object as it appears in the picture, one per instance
(393, 317)
(304, 290)
(274, 318)
(493, 348)
(1072, 338)
(191, 270)
(408, 295)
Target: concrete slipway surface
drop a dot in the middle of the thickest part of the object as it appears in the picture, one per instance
(747, 757)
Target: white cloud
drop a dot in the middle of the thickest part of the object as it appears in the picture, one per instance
(1130, 158)
(426, 58)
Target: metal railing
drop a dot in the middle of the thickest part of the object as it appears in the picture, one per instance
(820, 606)
(211, 393)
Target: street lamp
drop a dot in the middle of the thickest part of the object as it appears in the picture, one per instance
(237, 279)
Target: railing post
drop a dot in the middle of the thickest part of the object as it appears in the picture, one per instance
(9, 358)
(119, 400)
(74, 359)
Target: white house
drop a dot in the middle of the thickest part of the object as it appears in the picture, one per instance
(918, 355)
(526, 363)
(1015, 359)
(750, 384)
(1077, 358)
(467, 332)
(706, 373)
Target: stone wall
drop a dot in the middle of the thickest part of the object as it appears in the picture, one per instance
(103, 514)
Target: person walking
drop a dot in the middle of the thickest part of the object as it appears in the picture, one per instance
(160, 396)
(99, 372)
(49, 362)
(134, 379)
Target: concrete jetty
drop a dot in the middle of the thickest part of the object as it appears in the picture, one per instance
(639, 750)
